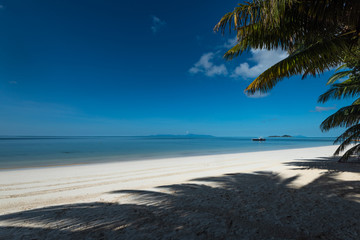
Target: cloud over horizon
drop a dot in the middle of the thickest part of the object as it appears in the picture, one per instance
(262, 58)
(206, 66)
(322, 109)
(257, 95)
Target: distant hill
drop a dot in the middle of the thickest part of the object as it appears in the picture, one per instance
(180, 136)
(281, 136)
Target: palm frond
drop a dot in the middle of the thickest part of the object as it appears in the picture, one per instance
(314, 59)
(344, 117)
(348, 137)
(352, 151)
(242, 15)
(356, 102)
(348, 88)
(257, 36)
(266, 12)
(295, 26)
(338, 76)
(343, 66)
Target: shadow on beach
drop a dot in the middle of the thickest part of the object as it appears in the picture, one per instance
(261, 205)
(330, 164)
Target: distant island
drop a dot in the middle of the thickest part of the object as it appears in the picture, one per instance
(281, 136)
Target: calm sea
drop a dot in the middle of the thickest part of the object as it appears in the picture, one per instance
(20, 152)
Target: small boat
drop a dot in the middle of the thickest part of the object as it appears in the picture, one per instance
(260, 139)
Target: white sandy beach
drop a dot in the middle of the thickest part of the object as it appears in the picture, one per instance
(282, 193)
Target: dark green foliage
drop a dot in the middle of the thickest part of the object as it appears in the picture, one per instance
(317, 34)
(347, 116)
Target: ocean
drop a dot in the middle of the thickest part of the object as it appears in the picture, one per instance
(23, 152)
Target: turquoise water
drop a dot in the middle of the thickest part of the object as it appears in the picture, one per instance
(19, 152)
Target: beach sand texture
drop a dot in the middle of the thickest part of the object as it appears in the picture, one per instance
(285, 194)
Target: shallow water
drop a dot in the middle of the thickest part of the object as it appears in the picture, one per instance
(19, 152)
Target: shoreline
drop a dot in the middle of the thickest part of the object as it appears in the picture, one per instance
(115, 158)
(35, 187)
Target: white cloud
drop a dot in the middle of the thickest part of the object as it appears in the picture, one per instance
(257, 95)
(263, 60)
(157, 23)
(206, 66)
(323, 109)
(230, 43)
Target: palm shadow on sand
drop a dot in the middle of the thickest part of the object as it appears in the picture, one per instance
(261, 205)
(330, 164)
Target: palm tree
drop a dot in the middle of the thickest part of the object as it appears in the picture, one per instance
(348, 116)
(317, 34)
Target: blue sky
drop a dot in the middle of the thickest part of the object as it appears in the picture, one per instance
(138, 68)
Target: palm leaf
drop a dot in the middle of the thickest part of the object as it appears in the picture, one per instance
(348, 88)
(347, 138)
(337, 76)
(343, 66)
(313, 60)
(356, 102)
(352, 151)
(344, 117)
